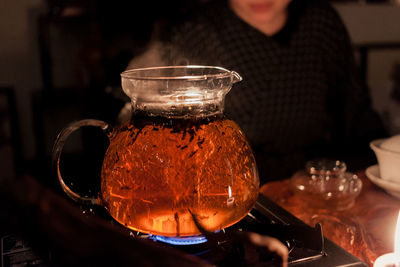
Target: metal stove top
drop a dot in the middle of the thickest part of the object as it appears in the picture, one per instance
(322, 251)
(307, 245)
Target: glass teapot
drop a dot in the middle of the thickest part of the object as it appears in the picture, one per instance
(177, 157)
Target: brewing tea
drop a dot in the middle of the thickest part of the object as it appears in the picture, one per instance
(177, 158)
(158, 170)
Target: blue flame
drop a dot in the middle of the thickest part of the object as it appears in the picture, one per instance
(180, 241)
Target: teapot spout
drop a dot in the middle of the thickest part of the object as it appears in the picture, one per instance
(236, 77)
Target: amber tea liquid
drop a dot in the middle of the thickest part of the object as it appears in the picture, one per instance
(157, 171)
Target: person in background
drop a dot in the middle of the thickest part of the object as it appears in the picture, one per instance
(300, 98)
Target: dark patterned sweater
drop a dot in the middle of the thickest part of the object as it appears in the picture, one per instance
(300, 97)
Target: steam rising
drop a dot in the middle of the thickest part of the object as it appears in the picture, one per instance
(158, 54)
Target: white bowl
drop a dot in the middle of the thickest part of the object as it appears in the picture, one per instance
(388, 160)
(373, 175)
(392, 144)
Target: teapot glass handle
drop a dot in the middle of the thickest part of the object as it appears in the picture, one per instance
(57, 149)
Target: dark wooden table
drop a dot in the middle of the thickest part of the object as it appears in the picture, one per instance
(366, 230)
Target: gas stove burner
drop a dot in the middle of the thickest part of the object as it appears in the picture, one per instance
(180, 241)
(306, 244)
